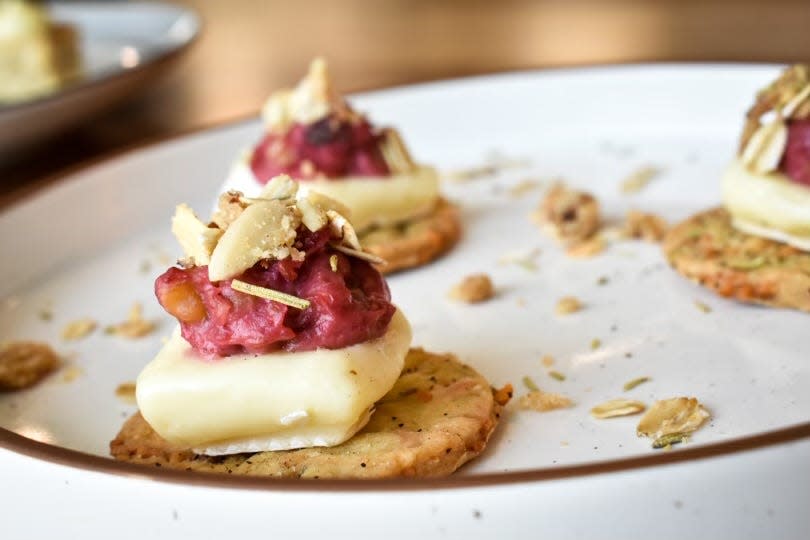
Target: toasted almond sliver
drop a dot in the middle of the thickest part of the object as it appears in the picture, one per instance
(617, 407)
(764, 150)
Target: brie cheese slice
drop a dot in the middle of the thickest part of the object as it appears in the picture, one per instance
(276, 401)
(371, 201)
(768, 205)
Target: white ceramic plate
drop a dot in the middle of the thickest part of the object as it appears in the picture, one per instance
(123, 45)
(93, 244)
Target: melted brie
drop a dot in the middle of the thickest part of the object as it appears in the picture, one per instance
(372, 201)
(276, 401)
(768, 205)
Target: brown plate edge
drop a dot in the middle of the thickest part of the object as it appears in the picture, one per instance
(72, 458)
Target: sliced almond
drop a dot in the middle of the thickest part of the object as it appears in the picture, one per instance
(264, 230)
(280, 187)
(766, 146)
(197, 239)
(617, 407)
(796, 101)
(312, 99)
(395, 153)
(341, 228)
(313, 207)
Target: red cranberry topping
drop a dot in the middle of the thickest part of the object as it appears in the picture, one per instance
(329, 148)
(796, 160)
(347, 306)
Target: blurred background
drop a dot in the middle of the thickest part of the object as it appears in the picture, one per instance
(247, 48)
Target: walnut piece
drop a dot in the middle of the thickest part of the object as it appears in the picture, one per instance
(24, 363)
(472, 289)
(572, 216)
(644, 226)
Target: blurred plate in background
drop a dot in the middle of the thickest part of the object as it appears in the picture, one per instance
(123, 46)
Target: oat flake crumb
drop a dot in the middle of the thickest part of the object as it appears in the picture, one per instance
(523, 187)
(680, 415)
(638, 179)
(472, 289)
(134, 327)
(79, 328)
(617, 407)
(543, 401)
(71, 373)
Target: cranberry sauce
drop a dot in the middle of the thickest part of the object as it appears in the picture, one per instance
(328, 148)
(348, 305)
(795, 163)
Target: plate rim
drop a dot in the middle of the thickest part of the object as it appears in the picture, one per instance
(93, 463)
(160, 59)
(58, 455)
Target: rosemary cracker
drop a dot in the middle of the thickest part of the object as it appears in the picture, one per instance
(707, 249)
(416, 242)
(439, 415)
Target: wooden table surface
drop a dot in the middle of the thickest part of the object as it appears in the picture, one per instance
(249, 47)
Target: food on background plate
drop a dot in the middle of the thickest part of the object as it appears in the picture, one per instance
(37, 56)
(756, 247)
(288, 358)
(313, 135)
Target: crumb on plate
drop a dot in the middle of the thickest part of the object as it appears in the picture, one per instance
(540, 401)
(78, 329)
(134, 327)
(567, 305)
(644, 226)
(472, 289)
(25, 363)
